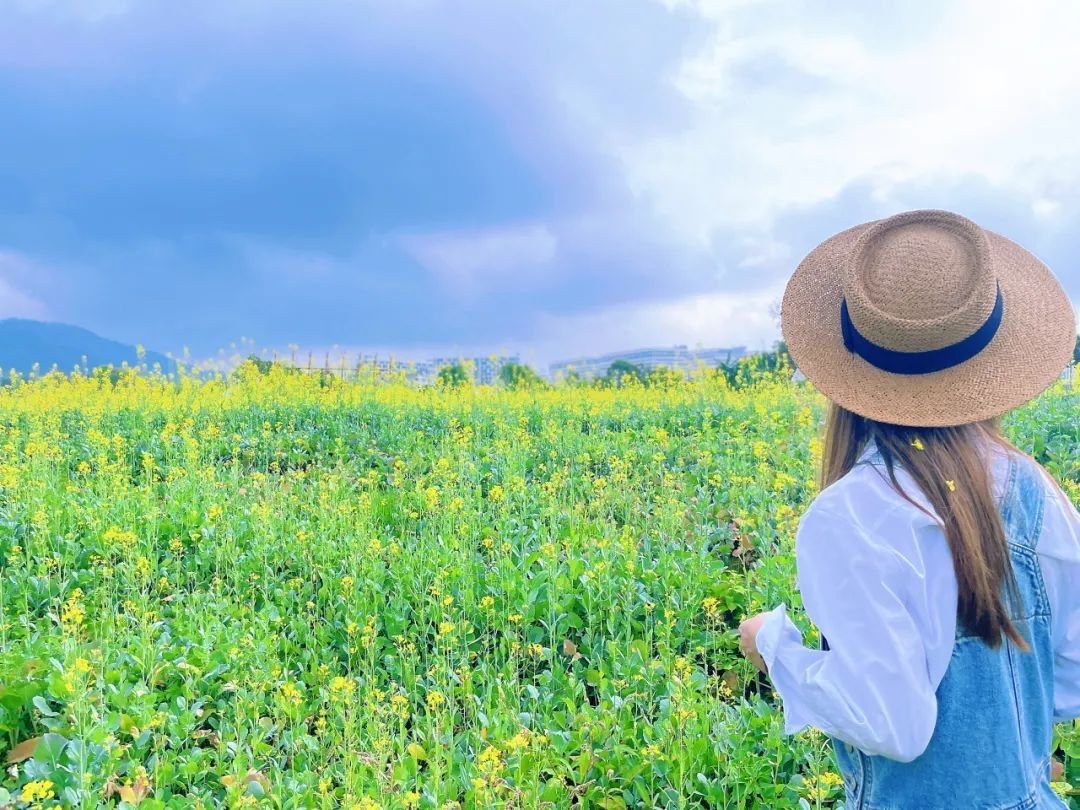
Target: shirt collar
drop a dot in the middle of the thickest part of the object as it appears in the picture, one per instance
(868, 451)
(999, 457)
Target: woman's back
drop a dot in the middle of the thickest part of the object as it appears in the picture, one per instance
(952, 611)
(949, 592)
(994, 707)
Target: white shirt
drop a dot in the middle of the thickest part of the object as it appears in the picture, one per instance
(876, 577)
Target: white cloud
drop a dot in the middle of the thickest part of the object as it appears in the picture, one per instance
(706, 320)
(983, 89)
(471, 263)
(709, 320)
(680, 157)
(14, 302)
(763, 252)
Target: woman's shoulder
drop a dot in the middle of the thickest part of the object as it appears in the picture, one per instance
(1031, 475)
(866, 503)
(866, 496)
(869, 488)
(1059, 519)
(862, 517)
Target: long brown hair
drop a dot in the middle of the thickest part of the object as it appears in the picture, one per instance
(949, 469)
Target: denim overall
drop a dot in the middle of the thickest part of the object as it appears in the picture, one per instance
(991, 745)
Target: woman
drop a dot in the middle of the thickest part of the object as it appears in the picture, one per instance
(941, 565)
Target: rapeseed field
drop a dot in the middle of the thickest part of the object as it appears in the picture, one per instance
(275, 589)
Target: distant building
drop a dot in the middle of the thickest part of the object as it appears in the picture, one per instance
(384, 365)
(676, 357)
(485, 369)
(488, 368)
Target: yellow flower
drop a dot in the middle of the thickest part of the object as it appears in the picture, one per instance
(435, 699)
(370, 631)
(917, 443)
(341, 688)
(37, 791)
(820, 787)
(490, 760)
(400, 705)
(816, 792)
(291, 693)
(951, 485)
(681, 668)
(72, 614)
(519, 740)
(652, 753)
(711, 605)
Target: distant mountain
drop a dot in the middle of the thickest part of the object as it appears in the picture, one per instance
(24, 342)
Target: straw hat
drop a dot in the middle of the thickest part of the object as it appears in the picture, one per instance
(926, 319)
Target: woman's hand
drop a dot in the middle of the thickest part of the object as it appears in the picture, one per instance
(748, 630)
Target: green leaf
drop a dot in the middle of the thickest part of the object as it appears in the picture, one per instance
(52, 745)
(42, 706)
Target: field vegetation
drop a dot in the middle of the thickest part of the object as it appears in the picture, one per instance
(290, 590)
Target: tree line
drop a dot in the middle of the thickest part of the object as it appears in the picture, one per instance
(740, 372)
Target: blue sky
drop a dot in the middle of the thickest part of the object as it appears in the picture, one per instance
(549, 178)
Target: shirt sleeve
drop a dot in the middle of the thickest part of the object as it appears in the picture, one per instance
(1059, 558)
(871, 688)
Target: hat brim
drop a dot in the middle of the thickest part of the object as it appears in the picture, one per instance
(1033, 344)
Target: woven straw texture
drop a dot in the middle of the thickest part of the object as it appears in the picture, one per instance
(919, 281)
